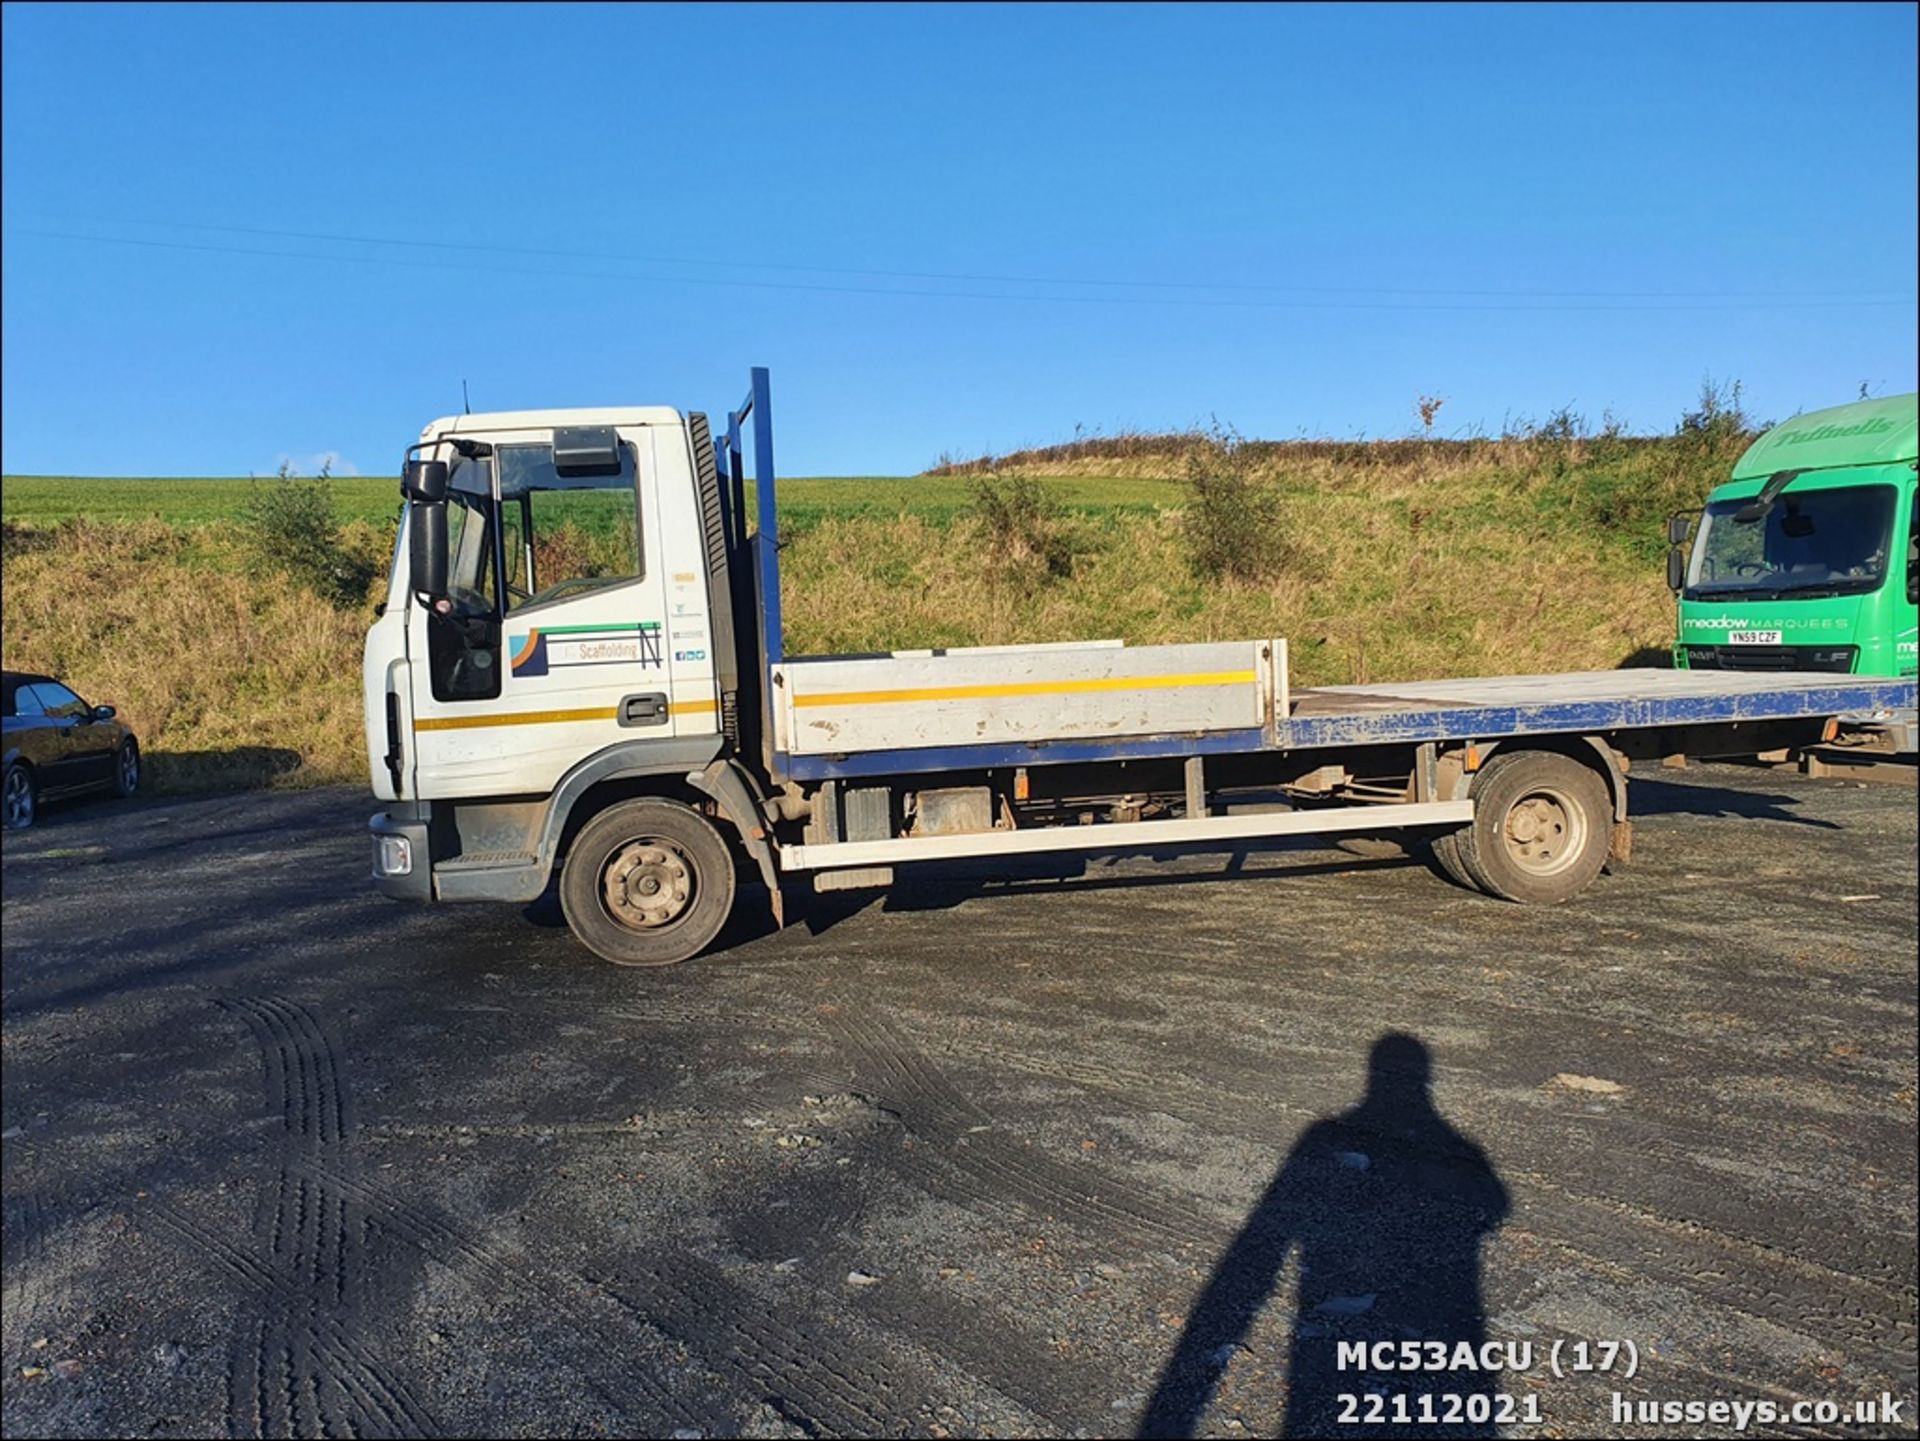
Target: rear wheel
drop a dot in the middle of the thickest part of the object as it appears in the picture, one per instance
(1541, 825)
(21, 796)
(1446, 855)
(647, 883)
(126, 768)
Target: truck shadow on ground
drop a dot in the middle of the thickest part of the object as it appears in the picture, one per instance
(939, 886)
(1648, 797)
(1386, 1207)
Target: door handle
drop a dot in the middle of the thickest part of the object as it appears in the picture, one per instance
(644, 710)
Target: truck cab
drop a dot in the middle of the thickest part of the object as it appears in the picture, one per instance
(572, 612)
(1805, 559)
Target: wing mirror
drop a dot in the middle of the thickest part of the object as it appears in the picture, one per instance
(425, 480)
(1679, 527)
(427, 548)
(424, 484)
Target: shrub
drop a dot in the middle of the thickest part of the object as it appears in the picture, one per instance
(1234, 521)
(1024, 528)
(1719, 425)
(293, 530)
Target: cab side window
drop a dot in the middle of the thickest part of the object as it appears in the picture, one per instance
(463, 642)
(567, 533)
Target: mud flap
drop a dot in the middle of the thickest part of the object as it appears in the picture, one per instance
(721, 781)
(1620, 845)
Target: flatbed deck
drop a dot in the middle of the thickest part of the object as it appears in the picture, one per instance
(876, 715)
(1576, 701)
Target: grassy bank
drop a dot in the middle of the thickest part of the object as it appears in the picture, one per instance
(1403, 560)
(48, 500)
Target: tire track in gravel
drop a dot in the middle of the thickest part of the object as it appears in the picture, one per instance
(899, 1076)
(1058, 1392)
(1764, 1283)
(320, 1342)
(802, 1361)
(24, 1223)
(1250, 1113)
(286, 1377)
(562, 1293)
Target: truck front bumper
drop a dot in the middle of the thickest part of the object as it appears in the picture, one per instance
(402, 864)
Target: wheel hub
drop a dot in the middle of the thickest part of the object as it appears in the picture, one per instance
(1539, 832)
(647, 884)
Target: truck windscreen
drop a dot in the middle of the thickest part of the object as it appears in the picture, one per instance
(1808, 543)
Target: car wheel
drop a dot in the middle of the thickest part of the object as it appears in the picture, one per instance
(647, 883)
(21, 796)
(126, 768)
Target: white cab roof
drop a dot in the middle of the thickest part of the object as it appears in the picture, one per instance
(548, 419)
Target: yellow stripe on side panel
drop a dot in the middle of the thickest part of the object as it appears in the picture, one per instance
(549, 717)
(1037, 687)
(513, 718)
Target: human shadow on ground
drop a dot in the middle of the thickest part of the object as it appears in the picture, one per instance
(1387, 1207)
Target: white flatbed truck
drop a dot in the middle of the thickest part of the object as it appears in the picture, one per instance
(637, 728)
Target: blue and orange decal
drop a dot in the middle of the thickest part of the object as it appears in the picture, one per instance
(544, 649)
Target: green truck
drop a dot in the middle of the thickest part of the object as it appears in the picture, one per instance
(1806, 559)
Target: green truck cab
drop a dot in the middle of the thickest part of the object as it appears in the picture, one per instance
(1805, 560)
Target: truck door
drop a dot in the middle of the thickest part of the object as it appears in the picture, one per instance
(551, 644)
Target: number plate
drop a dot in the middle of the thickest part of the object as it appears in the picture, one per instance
(1753, 637)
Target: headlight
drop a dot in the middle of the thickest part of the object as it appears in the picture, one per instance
(393, 856)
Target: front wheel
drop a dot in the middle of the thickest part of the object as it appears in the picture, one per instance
(20, 797)
(1541, 826)
(126, 768)
(647, 883)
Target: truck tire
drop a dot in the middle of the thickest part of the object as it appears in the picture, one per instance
(1446, 855)
(1541, 825)
(647, 883)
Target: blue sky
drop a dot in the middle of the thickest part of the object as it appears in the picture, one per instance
(1295, 219)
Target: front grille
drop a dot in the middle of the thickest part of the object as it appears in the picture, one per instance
(1838, 658)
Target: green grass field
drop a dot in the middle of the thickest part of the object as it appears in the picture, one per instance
(46, 500)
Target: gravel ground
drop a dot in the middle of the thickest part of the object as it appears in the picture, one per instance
(1124, 1148)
